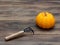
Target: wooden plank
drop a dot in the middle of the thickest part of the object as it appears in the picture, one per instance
(15, 12)
(36, 39)
(15, 26)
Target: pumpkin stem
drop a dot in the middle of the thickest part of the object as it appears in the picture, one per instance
(45, 13)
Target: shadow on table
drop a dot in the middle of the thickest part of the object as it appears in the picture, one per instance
(44, 29)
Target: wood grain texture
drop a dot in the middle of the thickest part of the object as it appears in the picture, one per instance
(15, 15)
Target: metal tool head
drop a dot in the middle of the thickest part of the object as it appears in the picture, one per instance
(28, 29)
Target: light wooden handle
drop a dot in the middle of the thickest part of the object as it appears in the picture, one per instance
(20, 33)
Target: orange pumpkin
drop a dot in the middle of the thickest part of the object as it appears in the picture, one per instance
(45, 20)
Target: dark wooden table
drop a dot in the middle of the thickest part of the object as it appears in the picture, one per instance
(15, 15)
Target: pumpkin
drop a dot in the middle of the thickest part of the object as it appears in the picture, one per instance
(45, 20)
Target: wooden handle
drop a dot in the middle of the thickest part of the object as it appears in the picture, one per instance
(20, 33)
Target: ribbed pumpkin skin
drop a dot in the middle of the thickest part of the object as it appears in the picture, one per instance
(45, 20)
